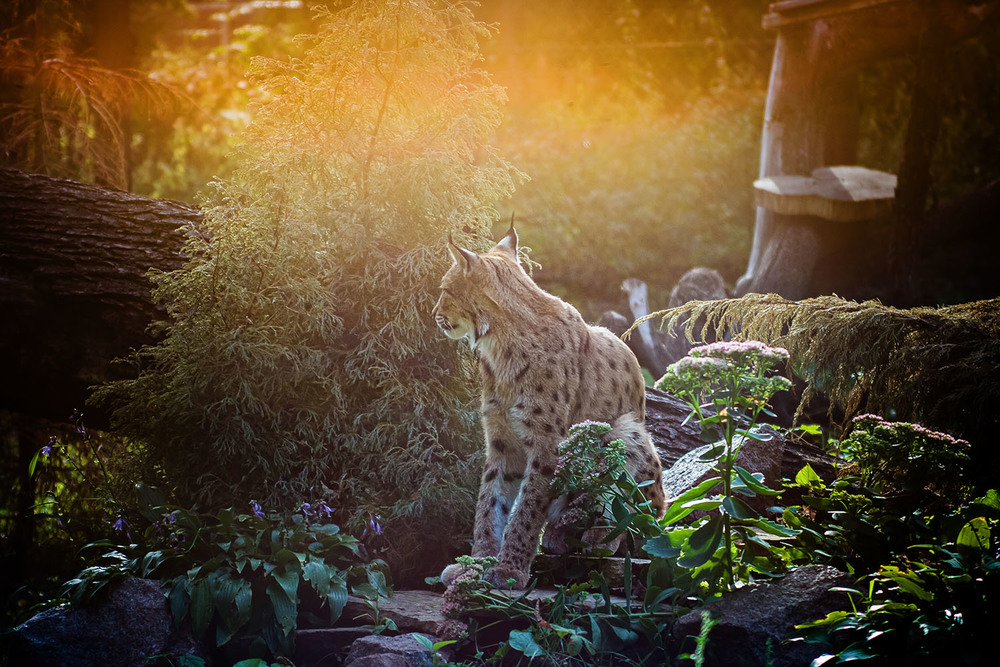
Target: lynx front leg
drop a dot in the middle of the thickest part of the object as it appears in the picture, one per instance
(520, 540)
(498, 490)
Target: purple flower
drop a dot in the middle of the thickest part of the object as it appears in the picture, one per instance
(121, 525)
(46, 451)
(323, 509)
(255, 508)
(373, 523)
(306, 509)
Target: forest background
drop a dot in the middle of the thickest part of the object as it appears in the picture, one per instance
(637, 123)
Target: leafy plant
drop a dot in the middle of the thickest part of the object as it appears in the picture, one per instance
(935, 599)
(903, 457)
(240, 572)
(579, 625)
(300, 358)
(727, 385)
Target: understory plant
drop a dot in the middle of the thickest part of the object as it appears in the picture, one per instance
(300, 357)
(728, 386)
(245, 571)
(924, 552)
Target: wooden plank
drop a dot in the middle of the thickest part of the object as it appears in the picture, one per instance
(841, 194)
(788, 12)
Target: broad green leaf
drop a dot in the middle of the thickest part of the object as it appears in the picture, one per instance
(337, 599)
(289, 581)
(990, 499)
(974, 535)
(702, 504)
(243, 598)
(523, 641)
(378, 582)
(660, 547)
(151, 502)
(806, 476)
(702, 544)
(180, 598)
(738, 509)
(908, 582)
(318, 575)
(773, 528)
(755, 481)
(284, 607)
(33, 463)
(201, 607)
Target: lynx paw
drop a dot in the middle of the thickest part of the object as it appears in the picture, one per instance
(501, 575)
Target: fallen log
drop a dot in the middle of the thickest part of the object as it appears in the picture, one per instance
(74, 291)
(665, 420)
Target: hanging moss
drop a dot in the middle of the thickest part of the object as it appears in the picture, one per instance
(935, 366)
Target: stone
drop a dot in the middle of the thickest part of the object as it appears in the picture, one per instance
(763, 456)
(326, 647)
(753, 621)
(129, 628)
(555, 568)
(411, 611)
(698, 284)
(382, 651)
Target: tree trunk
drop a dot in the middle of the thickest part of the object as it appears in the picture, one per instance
(73, 287)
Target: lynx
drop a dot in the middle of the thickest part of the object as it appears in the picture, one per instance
(543, 370)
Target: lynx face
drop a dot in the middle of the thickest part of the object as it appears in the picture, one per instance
(454, 320)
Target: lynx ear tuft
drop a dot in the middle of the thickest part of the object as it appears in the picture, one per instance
(508, 244)
(459, 255)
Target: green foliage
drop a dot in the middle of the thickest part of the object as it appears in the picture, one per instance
(232, 572)
(636, 193)
(934, 598)
(903, 457)
(727, 386)
(63, 113)
(178, 158)
(578, 626)
(300, 358)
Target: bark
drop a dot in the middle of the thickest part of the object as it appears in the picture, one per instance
(73, 286)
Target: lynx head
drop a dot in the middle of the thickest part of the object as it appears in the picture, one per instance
(469, 288)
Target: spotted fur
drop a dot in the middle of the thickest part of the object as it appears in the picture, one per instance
(543, 369)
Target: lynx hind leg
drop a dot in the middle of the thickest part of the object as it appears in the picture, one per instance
(641, 459)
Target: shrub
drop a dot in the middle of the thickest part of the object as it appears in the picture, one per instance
(300, 360)
(239, 572)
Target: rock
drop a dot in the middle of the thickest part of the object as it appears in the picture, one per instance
(411, 611)
(128, 628)
(763, 456)
(753, 621)
(326, 647)
(570, 568)
(382, 651)
(698, 284)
